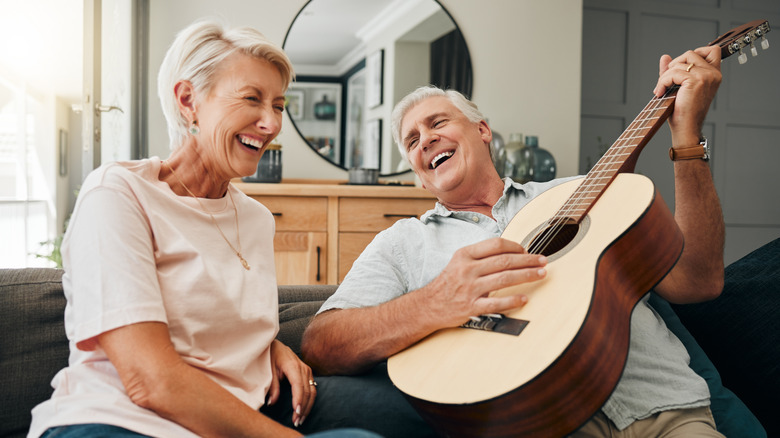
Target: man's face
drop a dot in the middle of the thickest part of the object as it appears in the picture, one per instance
(446, 150)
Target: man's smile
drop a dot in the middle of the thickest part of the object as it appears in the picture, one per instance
(440, 158)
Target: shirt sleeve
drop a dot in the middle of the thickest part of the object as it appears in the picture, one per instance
(375, 277)
(110, 274)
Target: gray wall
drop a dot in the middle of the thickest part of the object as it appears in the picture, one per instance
(622, 42)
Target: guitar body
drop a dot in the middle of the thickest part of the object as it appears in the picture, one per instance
(562, 367)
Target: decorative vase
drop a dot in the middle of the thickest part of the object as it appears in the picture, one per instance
(325, 109)
(526, 161)
(540, 164)
(514, 156)
(269, 168)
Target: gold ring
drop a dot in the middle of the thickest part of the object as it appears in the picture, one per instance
(312, 383)
(690, 66)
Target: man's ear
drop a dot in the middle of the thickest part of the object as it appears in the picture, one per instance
(185, 99)
(485, 132)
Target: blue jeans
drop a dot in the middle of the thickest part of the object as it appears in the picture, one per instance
(368, 401)
(90, 430)
(108, 431)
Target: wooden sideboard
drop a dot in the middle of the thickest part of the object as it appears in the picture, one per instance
(322, 227)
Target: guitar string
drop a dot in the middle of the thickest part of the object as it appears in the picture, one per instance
(568, 208)
(604, 166)
(575, 201)
(600, 171)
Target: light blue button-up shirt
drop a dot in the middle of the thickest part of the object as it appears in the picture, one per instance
(411, 253)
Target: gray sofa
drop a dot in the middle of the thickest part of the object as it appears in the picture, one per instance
(740, 332)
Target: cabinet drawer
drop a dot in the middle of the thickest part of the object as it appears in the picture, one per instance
(299, 213)
(376, 214)
(301, 257)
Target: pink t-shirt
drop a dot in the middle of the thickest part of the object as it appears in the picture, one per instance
(135, 252)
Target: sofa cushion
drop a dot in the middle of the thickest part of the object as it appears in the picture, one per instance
(732, 417)
(740, 331)
(297, 306)
(33, 346)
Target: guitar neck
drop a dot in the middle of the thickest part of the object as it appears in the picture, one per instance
(620, 157)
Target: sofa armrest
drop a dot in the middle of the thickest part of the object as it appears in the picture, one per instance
(740, 331)
(33, 346)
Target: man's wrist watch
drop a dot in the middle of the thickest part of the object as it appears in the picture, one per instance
(700, 151)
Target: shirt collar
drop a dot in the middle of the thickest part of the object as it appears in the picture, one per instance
(441, 210)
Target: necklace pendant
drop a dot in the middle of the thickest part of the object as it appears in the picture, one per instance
(244, 262)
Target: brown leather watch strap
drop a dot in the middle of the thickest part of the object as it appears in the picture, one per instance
(698, 151)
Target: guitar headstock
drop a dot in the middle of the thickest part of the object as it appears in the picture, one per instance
(734, 40)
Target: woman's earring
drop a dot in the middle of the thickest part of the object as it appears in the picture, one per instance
(194, 129)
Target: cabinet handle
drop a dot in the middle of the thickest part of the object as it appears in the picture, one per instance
(276, 214)
(318, 262)
(389, 215)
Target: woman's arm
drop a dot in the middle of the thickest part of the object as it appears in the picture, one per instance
(156, 378)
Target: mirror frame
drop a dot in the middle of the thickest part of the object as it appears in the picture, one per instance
(310, 80)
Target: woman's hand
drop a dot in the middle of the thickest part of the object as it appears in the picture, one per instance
(285, 363)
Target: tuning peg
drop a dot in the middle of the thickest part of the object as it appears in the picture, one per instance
(764, 42)
(753, 50)
(742, 58)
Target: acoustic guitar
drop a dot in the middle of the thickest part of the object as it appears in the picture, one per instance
(546, 368)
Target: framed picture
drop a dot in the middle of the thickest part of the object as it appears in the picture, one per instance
(375, 78)
(294, 104)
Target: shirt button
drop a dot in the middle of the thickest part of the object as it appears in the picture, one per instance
(475, 218)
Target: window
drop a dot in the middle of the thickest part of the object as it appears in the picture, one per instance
(27, 213)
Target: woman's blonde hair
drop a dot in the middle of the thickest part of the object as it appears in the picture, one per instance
(195, 56)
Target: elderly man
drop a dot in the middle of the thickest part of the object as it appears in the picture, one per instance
(423, 275)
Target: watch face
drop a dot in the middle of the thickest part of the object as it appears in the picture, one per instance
(706, 145)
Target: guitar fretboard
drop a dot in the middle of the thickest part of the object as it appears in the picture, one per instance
(621, 154)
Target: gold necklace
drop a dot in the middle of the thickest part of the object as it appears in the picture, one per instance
(235, 211)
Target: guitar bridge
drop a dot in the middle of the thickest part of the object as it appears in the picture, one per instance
(496, 322)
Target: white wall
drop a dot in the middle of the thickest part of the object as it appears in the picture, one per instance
(525, 55)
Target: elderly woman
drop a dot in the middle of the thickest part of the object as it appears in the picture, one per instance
(169, 270)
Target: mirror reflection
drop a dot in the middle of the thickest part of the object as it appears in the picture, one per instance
(354, 59)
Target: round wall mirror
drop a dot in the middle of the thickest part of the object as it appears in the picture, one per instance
(354, 60)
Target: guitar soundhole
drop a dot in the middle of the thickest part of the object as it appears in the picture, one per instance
(553, 239)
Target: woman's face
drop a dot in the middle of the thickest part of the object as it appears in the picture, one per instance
(240, 115)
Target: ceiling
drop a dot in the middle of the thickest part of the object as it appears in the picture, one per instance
(329, 18)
